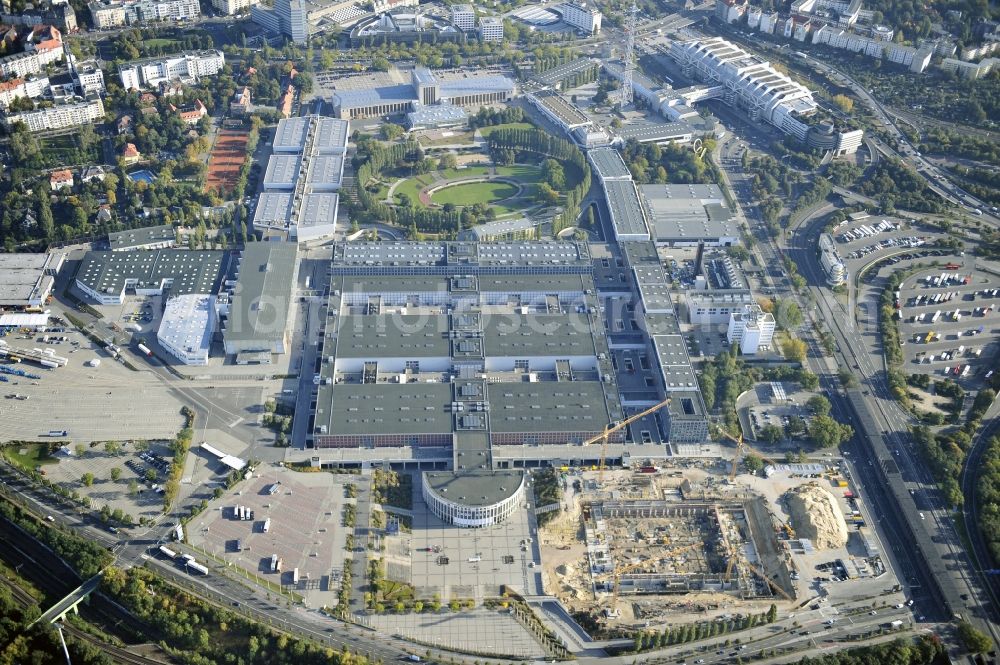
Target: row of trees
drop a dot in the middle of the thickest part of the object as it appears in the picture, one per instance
(530, 143)
(179, 447)
(691, 632)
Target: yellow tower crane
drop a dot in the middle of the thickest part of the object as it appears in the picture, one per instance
(603, 437)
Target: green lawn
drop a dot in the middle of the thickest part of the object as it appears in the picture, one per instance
(159, 43)
(527, 174)
(474, 192)
(412, 186)
(33, 454)
(486, 131)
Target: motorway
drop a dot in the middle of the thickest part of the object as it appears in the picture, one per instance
(887, 434)
(881, 425)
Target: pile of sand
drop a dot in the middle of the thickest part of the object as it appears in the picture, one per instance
(816, 516)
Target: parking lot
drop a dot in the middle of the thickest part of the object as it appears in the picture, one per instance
(92, 403)
(867, 237)
(305, 530)
(948, 322)
(140, 473)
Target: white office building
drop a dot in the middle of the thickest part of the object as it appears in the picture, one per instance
(580, 16)
(187, 326)
(752, 329)
(185, 67)
(491, 29)
(288, 17)
(463, 16)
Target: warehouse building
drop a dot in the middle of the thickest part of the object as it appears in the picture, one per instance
(187, 326)
(152, 237)
(255, 312)
(26, 280)
(689, 214)
(105, 277)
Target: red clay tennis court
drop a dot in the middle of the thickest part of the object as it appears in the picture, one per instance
(224, 163)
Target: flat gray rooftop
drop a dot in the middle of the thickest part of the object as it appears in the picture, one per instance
(657, 132)
(531, 335)
(609, 164)
(525, 255)
(562, 406)
(259, 308)
(273, 208)
(688, 213)
(318, 209)
(327, 170)
(123, 240)
(190, 272)
(671, 352)
(22, 278)
(386, 408)
(393, 336)
(626, 208)
(568, 114)
(331, 135)
(282, 171)
(475, 488)
(290, 136)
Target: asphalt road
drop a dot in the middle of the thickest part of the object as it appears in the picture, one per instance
(888, 453)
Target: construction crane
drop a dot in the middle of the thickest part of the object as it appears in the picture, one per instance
(603, 437)
(774, 586)
(621, 570)
(740, 447)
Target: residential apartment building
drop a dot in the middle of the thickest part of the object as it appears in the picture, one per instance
(20, 65)
(88, 77)
(115, 13)
(17, 88)
(71, 114)
(186, 67)
(583, 18)
(230, 7)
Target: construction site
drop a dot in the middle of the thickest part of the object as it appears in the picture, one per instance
(633, 547)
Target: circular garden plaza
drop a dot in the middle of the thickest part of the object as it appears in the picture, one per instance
(518, 175)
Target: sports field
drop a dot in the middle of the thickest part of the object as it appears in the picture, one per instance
(224, 163)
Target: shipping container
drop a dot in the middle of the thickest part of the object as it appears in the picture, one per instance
(274, 563)
(198, 568)
(295, 576)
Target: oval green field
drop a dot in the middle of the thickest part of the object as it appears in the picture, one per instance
(466, 194)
